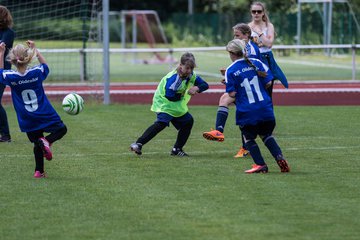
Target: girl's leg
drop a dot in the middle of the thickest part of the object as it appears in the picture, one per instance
(38, 153)
(184, 133)
(56, 134)
(4, 126)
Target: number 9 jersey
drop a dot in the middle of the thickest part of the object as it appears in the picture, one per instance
(33, 109)
(253, 103)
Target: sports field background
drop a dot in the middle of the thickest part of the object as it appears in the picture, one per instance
(98, 189)
(130, 67)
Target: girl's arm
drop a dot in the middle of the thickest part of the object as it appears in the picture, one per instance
(2, 52)
(268, 40)
(39, 56)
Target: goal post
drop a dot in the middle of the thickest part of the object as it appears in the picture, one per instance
(145, 26)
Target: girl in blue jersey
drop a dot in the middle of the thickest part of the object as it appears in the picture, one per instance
(247, 81)
(263, 33)
(34, 112)
(170, 105)
(241, 31)
(7, 36)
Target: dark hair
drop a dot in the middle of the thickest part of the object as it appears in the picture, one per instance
(243, 28)
(6, 19)
(188, 59)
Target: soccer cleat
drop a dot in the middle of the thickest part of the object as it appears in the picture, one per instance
(178, 152)
(5, 138)
(258, 169)
(45, 147)
(284, 167)
(136, 147)
(38, 174)
(242, 153)
(214, 135)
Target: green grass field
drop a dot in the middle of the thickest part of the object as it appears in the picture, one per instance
(97, 189)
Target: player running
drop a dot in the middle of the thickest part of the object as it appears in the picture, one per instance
(247, 80)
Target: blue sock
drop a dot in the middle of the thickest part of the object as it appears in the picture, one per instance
(221, 118)
(273, 147)
(254, 150)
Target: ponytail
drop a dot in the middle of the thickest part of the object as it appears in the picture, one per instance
(258, 72)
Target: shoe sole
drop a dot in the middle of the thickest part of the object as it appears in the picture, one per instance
(177, 155)
(258, 171)
(212, 138)
(284, 167)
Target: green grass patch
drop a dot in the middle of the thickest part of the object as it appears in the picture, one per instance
(97, 189)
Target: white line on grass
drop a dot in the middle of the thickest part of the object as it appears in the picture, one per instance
(128, 153)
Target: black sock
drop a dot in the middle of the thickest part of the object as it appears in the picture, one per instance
(39, 158)
(254, 150)
(183, 134)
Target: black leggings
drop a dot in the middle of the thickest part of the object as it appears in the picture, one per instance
(38, 153)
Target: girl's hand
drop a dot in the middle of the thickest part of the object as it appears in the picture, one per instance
(222, 71)
(193, 90)
(30, 43)
(2, 47)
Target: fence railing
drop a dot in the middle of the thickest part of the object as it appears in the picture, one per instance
(82, 52)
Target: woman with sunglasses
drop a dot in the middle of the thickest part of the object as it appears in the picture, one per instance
(263, 33)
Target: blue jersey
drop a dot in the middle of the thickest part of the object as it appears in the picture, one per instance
(253, 103)
(252, 50)
(33, 109)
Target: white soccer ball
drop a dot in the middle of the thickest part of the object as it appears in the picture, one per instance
(73, 104)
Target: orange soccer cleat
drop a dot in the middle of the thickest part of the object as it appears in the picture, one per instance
(258, 169)
(242, 153)
(214, 135)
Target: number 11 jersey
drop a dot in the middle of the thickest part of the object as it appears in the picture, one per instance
(253, 103)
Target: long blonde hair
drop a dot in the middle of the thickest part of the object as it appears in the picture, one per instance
(20, 55)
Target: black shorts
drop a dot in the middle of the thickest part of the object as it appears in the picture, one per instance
(34, 135)
(264, 128)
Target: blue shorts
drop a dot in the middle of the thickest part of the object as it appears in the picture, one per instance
(178, 122)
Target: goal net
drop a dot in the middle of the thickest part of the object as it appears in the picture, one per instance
(62, 30)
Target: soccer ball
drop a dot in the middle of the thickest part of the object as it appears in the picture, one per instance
(73, 104)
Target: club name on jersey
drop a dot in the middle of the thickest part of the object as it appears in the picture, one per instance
(238, 72)
(25, 81)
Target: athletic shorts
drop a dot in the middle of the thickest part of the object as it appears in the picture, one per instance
(178, 122)
(264, 128)
(34, 135)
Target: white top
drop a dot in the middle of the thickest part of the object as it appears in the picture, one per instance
(262, 48)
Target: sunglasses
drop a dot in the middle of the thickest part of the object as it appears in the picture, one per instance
(256, 11)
